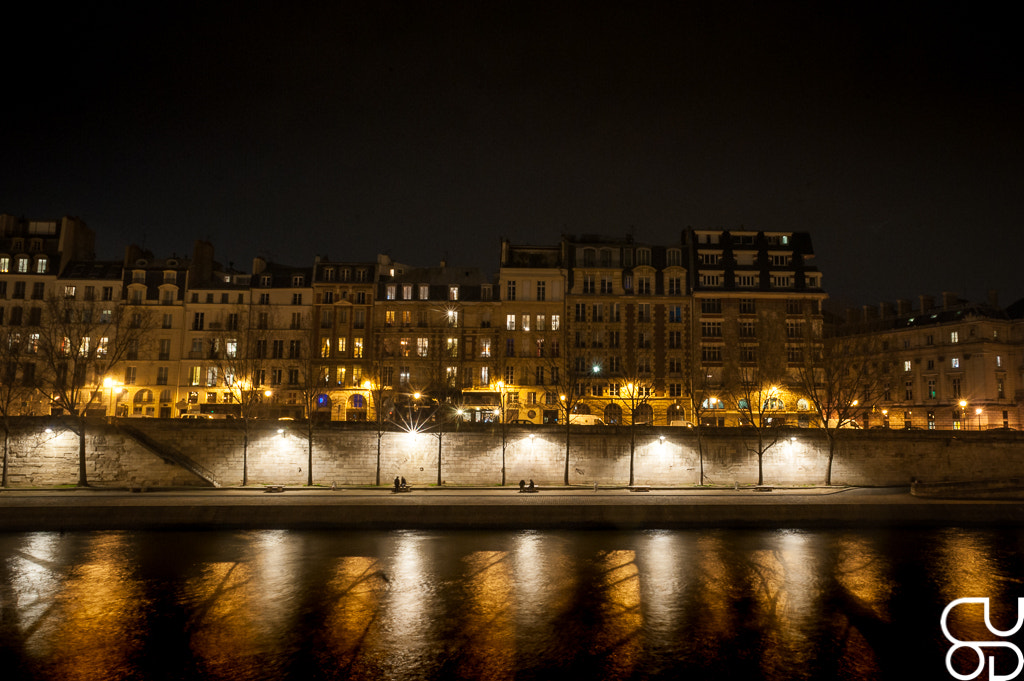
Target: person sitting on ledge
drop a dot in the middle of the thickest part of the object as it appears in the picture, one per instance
(404, 483)
(531, 483)
(522, 485)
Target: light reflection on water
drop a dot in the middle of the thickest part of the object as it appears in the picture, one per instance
(494, 605)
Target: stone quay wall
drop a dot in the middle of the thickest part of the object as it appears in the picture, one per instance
(166, 452)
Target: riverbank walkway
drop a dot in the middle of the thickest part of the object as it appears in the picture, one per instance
(353, 508)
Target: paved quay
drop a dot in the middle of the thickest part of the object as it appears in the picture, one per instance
(492, 508)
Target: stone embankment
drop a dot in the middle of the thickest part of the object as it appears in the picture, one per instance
(175, 453)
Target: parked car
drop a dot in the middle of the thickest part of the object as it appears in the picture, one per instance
(585, 420)
(197, 417)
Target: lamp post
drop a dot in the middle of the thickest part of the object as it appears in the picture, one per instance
(963, 414)
(977, 413)
(111, 384)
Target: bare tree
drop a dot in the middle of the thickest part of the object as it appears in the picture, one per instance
(311, 387)
(568, 369)
(840, 380)
(755, 386)
(634, 391)
(704, 396)
(80, 342)
(17, 383)
(243, 364)
(379, 384)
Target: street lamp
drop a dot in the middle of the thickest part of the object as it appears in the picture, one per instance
(977, 412)
(111, 384)
(963, 414)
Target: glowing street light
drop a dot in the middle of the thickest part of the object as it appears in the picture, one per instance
(977, 412)
(963, 414)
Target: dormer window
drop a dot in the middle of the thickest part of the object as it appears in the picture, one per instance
(298, 280)
(23, 265)
(42, 265)
(265, 280)
(139, 276)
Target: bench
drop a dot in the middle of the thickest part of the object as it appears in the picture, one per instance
(400, 490)
(274, 488)
(529, 490)
(640, 488)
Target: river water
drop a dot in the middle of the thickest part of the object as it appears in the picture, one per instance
(694, 604)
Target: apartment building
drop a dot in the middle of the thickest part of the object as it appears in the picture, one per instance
(627, 306)
(756, 308)
(435, 336)
(947, 364)
(343, 334)
(526, 350)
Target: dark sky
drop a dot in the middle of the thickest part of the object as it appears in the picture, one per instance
(425, 129)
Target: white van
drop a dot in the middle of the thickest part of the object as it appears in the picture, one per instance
(585, 420)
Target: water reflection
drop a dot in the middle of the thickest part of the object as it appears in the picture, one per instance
(493, 605)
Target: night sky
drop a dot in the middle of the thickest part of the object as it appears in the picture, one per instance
(434, 129)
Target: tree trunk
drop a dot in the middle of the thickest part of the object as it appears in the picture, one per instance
(700, 456)
(380, 435)
(245, 459)
(504, 445)
(831, 456)
(83, 480)
(439, 440)
(632, 452)
(760, 468)
(7, 439)
(565, 480)
(309, 462)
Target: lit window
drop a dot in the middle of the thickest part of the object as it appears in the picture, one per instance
(906, 365)
(955, 362)
(954, 337)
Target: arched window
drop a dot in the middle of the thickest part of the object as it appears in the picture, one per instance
(356, 410)
(613, 415)
(802, 405)
(644, 415)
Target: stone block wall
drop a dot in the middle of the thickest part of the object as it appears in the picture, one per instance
(346, 454)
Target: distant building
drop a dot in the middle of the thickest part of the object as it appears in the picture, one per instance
(954, 364)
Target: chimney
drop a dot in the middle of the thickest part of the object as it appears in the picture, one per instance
(948, 300)
(903, 307)
(870, 313)
(258, 265)
(131, 254)
(885, 310)
(927, 303)
(201, 268)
